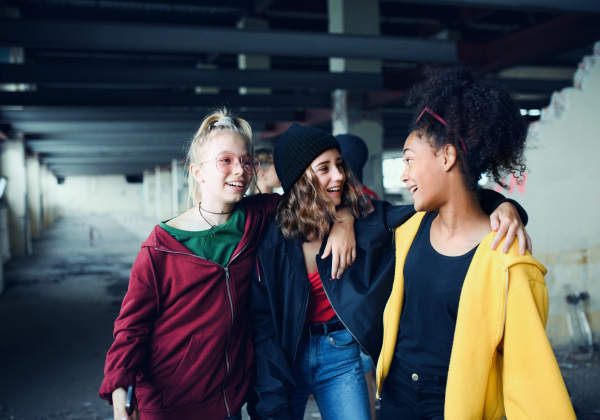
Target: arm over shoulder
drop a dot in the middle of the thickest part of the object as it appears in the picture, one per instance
(490, 200)
(267, 203)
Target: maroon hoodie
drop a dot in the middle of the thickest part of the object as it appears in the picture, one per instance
(183, 334)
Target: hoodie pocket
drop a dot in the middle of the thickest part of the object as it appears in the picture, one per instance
(200, 373)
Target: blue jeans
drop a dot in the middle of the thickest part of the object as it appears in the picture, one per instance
(330, 368)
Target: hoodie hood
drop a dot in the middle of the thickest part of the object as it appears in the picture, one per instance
(162, 240)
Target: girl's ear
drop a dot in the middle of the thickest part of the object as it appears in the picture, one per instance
(448, 156)
(196, 171)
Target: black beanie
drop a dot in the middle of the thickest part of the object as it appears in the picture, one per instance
(296, 149)
(354, 152)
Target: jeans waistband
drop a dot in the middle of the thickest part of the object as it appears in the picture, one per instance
(412, 375)
(314, 330)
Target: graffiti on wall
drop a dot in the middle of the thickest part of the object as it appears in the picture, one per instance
(514, 184)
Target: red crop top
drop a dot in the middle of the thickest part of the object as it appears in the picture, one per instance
(319, 309)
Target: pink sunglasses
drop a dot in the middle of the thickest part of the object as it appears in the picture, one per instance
(440, 119)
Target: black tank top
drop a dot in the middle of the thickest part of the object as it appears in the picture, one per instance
(432, 286)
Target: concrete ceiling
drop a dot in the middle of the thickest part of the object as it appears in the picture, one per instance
(111, 87)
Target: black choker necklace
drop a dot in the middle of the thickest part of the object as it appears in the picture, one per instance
(200, 208)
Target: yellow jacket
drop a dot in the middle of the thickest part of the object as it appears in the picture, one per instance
(501, 362)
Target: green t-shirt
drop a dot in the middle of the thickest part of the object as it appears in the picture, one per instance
(218, 248)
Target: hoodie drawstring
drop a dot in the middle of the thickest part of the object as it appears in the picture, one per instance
(257, 268)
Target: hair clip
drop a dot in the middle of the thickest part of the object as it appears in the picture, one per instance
(224, 121)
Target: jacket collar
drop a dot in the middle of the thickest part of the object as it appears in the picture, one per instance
(162, 240)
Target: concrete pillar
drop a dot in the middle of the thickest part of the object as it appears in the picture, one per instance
(358, 17)
(157, 193)
(48, 186)
(47, 191)
(254, 62)
(34, 197)
(44, 195)
(174, 186)
(207, 90)
(14, 168)
(166, 195)
(151, 210)
(146, 193)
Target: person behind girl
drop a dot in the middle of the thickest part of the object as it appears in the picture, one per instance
(266, 179)
(356, 154)
(182, 337)
(307, 329)
(465, 325)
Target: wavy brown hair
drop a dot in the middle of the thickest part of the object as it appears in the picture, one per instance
(306, 214)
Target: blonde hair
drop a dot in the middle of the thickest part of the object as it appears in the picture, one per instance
(218, 121)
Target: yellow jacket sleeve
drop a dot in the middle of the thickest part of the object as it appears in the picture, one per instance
(532, 383)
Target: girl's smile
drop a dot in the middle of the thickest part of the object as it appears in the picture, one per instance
(217, 186)
(330, 173)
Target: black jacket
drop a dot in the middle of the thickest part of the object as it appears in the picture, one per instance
(280, 289)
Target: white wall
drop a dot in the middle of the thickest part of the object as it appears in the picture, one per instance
(83, 195)
(562, 196)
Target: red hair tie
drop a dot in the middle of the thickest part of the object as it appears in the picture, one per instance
(440, 119)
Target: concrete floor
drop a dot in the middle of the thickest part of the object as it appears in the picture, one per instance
(57, 314)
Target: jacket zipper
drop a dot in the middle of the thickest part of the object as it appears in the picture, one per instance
(228, 340)
(226, 269)
(301, 325)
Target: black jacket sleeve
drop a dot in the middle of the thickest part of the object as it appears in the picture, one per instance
(274, 382)
(490, 200)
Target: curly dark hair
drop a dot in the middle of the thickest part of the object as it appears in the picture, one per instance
(306, 214)
(482, 113)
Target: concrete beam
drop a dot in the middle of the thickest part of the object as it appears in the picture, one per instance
(533, 43)
(553, 6)
(115, 138)
(101, 170)
(145, 97)
(222, 78)
(118, 128)
(136, 37)
(86, 74)
(113, 114)
(95, 159)
(67, 147)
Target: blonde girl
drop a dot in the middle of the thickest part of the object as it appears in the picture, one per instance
(182, 338)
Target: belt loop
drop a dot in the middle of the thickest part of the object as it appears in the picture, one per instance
(325, 330)
(440, 383)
